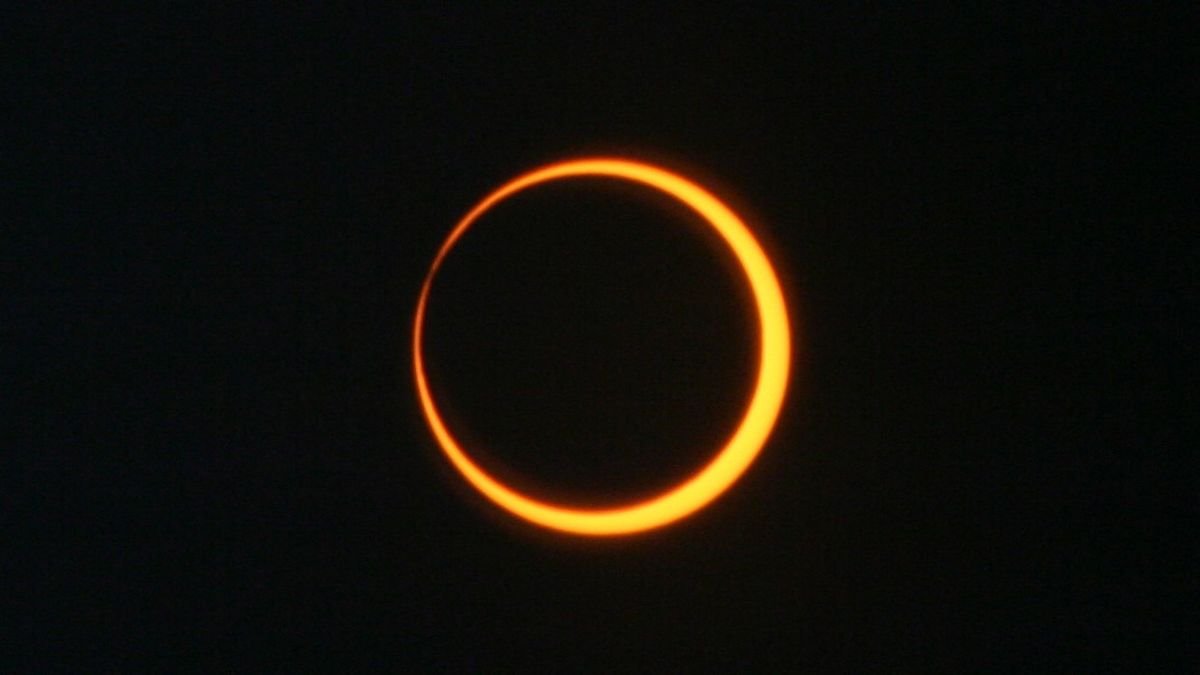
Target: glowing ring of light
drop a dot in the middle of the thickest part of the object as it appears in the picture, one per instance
(761, 412)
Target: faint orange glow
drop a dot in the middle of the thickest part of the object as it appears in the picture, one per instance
(761, 411)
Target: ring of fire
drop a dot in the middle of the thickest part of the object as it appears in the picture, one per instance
(761, 412)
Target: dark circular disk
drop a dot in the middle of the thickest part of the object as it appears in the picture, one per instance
(591, 341)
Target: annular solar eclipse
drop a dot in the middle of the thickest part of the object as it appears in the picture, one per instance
(761, 412)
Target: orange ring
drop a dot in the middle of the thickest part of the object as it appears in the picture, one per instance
(761, 412)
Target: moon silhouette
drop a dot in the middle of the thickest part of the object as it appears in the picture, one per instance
(761, 411)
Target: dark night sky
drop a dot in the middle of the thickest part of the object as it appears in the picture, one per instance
(215, 226)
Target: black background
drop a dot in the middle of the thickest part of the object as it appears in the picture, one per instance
(215, 226)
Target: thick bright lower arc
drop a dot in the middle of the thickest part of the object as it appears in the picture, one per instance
(761, 411)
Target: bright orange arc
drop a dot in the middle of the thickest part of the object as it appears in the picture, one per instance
(761, 412)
